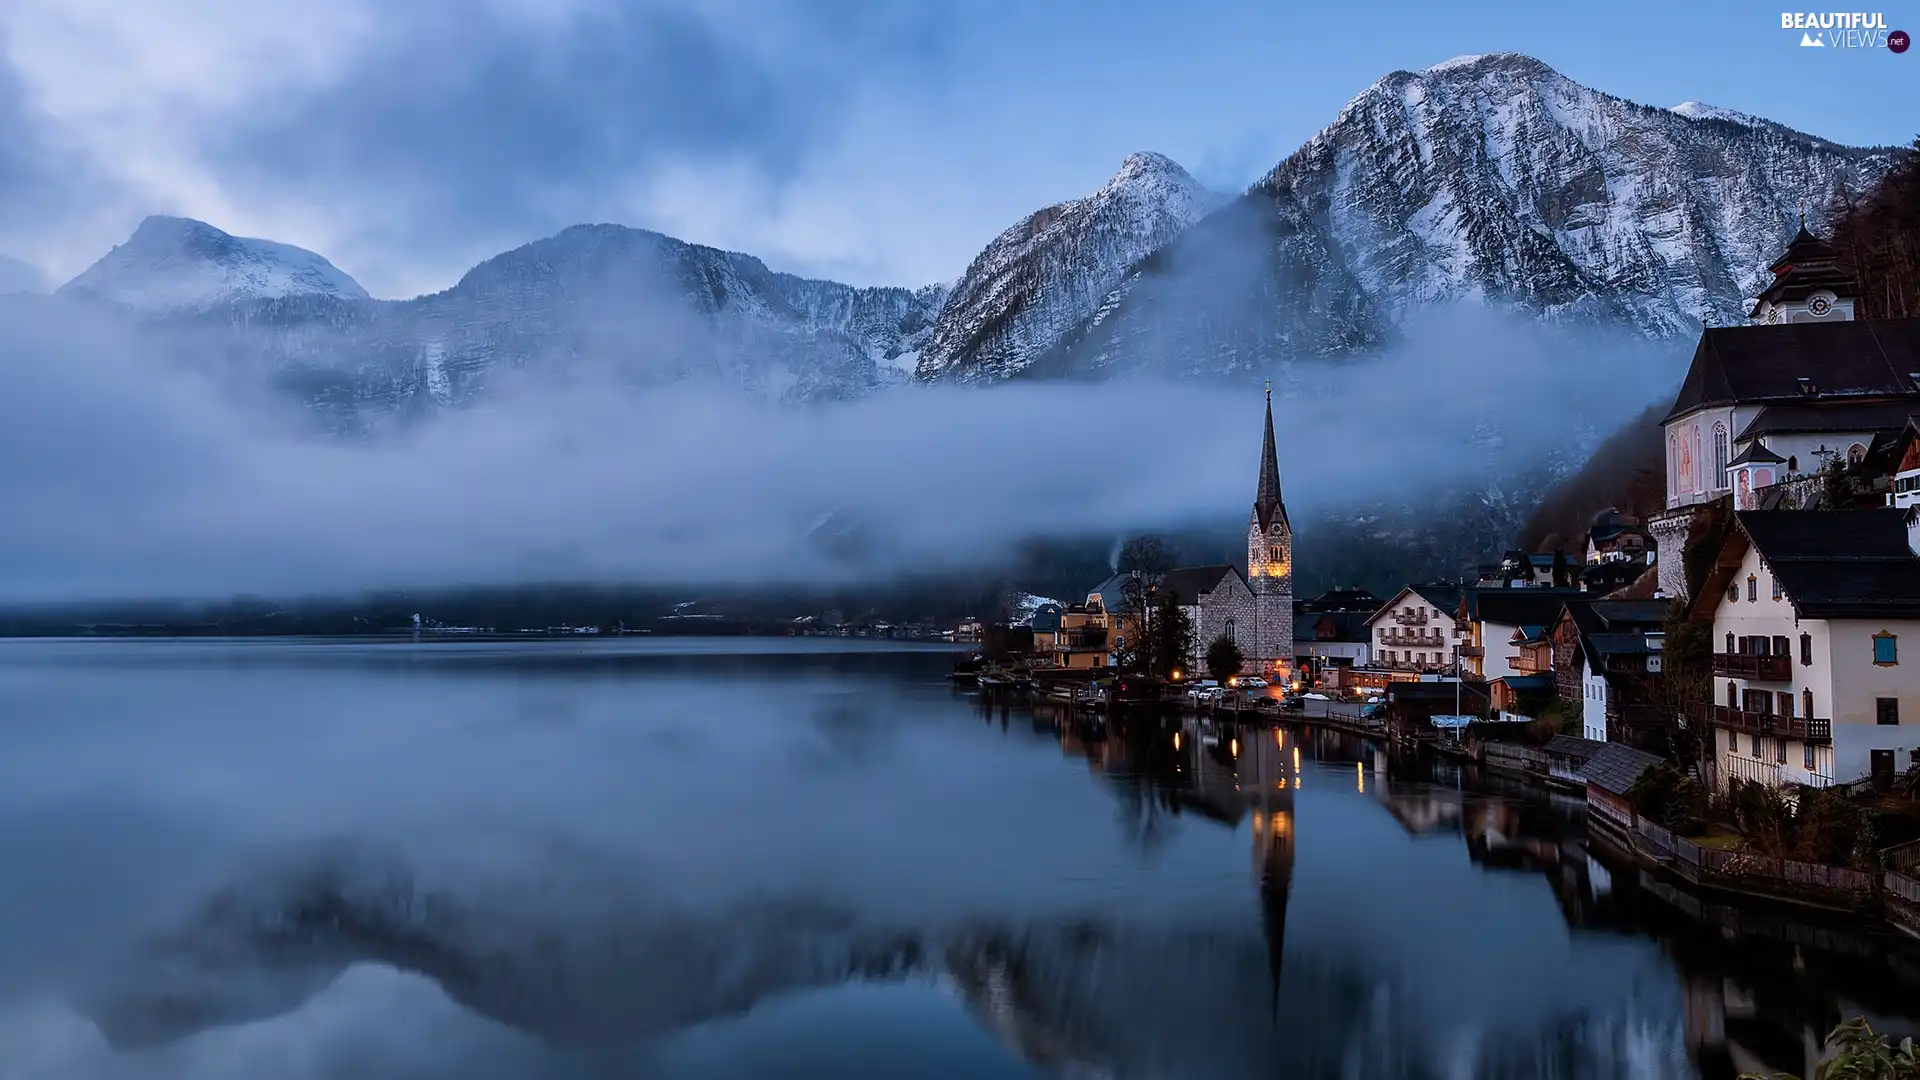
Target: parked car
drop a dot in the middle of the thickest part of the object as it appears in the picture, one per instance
(1252, 682)
(1316, 697)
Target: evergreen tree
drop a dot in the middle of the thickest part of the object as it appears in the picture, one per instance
(1224, 659)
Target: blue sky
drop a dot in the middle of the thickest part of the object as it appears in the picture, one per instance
(871, 142)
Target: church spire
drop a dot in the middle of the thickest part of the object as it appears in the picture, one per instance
(1267, 503)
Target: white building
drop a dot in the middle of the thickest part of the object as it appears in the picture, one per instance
(1417, 630)
(1816, 630)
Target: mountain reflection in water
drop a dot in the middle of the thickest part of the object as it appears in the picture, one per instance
(776, 863)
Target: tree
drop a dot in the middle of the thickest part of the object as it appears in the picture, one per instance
(1169, 637)
(1878, 238)
(1147, 556)
(1860, 1053)
(1145, 560)
(1667, 797)
(1224, 659)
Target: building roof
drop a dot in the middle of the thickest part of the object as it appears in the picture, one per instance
(1347, 626)
(1193, 582)
(1267, 504)
(1045, 617)
(1615, 766)
(1441, 595)
(1516, 607)
(1808, 264)
(1830, 563)
(1572, 746)
(1532, 681)
(1854, 358)
(1343, 600)
(1833, 417)
(1756, 454)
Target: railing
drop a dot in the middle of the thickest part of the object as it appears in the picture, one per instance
(1472, 652)
(1411, 617)
(1389, 637)
(1749, 666)
(1807, 729)
(1904, 858)
(1743, 864)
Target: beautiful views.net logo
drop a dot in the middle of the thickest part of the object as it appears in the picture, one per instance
(1844, 30)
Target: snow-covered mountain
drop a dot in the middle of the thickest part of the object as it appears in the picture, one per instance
(1040, 278)
(178, 264)
(1489, 178)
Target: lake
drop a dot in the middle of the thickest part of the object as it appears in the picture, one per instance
(759, 858)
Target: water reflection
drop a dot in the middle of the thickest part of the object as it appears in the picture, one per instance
(780, 864)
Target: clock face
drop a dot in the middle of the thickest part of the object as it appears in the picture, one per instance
(1820, 303)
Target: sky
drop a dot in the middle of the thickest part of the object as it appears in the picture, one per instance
(875, 143)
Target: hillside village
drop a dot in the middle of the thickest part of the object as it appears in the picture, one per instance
(1754, 640)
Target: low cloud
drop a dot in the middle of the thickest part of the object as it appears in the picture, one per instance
(125, 475)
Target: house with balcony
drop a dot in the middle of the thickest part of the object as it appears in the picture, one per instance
(1416, 631)
(1816, 620)
(1329, 644)
(1074, 637)
(1616, 537)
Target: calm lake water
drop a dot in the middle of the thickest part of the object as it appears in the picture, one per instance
(770, 858)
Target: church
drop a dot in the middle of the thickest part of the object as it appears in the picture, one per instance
(1255, 610)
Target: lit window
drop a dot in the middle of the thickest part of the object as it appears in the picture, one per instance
(1886, 650)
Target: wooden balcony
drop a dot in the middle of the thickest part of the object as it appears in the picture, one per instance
(1411, 618)
(1748, 666)
(1804, 728)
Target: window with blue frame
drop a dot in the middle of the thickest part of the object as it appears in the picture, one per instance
(1886, 649)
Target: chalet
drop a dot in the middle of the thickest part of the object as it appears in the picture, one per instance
(1071, 637)
(1810, 610)
(1518, 569)
(1330, 644)
(1611, 772)
(1615, 537)
(1416, 631)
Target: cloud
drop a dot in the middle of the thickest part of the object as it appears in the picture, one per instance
(125, 475)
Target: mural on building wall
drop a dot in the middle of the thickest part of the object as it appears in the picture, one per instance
(1747, 486)
(1685, 482)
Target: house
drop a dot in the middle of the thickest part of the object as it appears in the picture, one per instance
(1611, 772)
(1489, 617)
(1416, 631)
(1810, 611)
(1073, 637)
(1615, 537)
(1329, 644)
(1413, 705)
(1514, 695)
(1518, 570)
(1904, 489)
(1761, 404)
(1605, 655)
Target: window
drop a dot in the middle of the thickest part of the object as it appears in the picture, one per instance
(1785, 703)
(1719, 455)
(1793, 466)
(1733, 592)
(1780, 751)
(1856, 454)
(1730, 643)
(1886, 649)
(1806, 650)
(1733, 695)
(1777, 594)
(1228, 632)
(1780, 647)
(1806, 703)
(1753, 588)
(1806, 756)
(1886, 711)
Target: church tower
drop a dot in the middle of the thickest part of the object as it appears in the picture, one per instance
(1270, 567)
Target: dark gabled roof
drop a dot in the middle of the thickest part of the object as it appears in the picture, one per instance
(1267, 504)
(1343, 600)
(1193, 582)
(1347, 626)
(1614, 767)
(1756, 454)
(1830, 563)
(1111, 592)
(1045, 617)
(1834, 417)
(1529, 681)
(1605, 645)
(1441, 595)
(1516, 607)
(1572, 746)
(1808, 264)
(1851, 358)
(1622, 616)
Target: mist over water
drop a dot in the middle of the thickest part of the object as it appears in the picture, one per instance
(130, 470)
(770, 858)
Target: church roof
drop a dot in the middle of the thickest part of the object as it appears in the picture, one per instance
(1757, 454)
(1830, 563)
(1267, 504)
(1831, 418)
(1808, 265)
(1859, 358)
(1193, 582)
(1804, 248)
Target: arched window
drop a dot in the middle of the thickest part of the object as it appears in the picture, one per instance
(1719, 455)
(1753, 589)
(1806, 703)
(1793, 463)
(1806, 650)
(1228, 631)
(1856, 454)
(1729, 642)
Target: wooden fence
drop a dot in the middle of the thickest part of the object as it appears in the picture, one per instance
(1743, 865)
